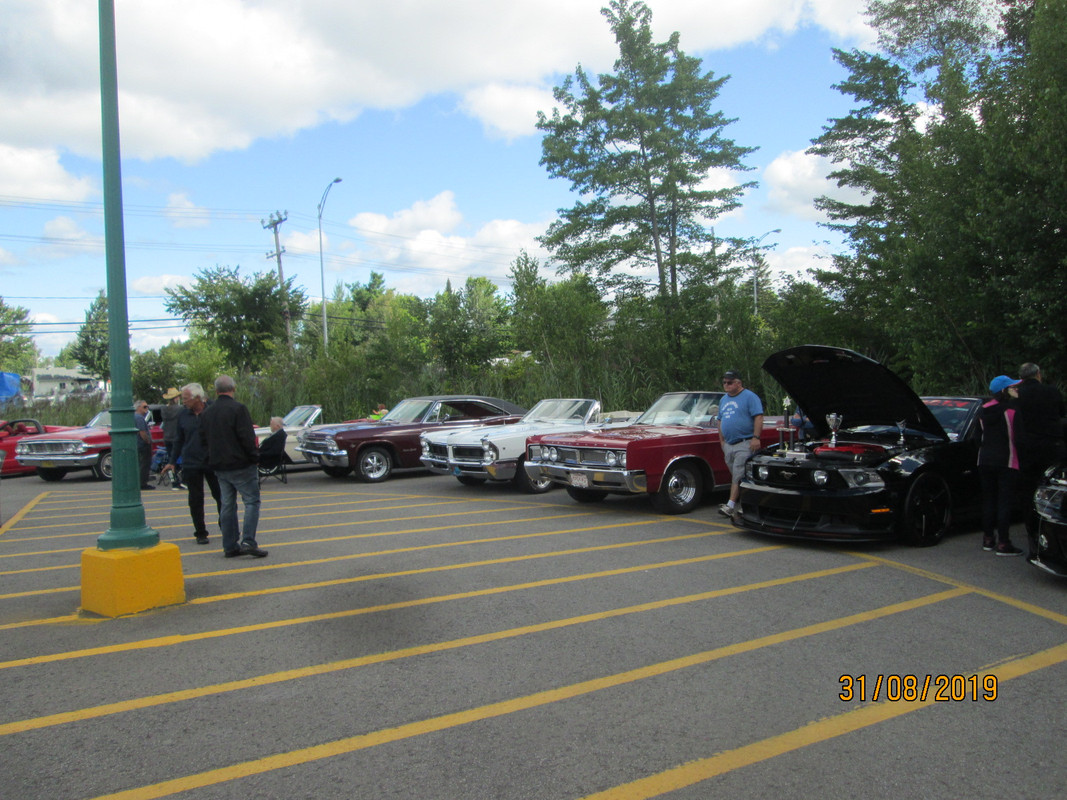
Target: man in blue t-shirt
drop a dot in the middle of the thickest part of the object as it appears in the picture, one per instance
(740, 426)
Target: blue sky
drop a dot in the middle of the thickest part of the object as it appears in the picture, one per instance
(230, 111)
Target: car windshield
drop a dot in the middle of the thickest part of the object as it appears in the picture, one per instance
(101, 420)
(952, 412)
(300, 416)
(558, 410)
(683, 408)
(408, 411)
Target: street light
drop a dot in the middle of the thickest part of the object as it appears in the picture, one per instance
(322, 268)
(755, 270)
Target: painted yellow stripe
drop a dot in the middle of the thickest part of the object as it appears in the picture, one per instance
(396, 655)
(167, 641)
(191, 553)
(813, 733)
(290, 565)
(503, 708)
(22, 512)
(1022, 605)
(349, 523)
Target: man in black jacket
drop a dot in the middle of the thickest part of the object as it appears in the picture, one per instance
(189, 451)
(227, 433)
(1039, 420)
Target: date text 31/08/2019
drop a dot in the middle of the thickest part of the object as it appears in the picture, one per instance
(920, 688)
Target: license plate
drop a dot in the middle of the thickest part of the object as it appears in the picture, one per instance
(316, 458)
(48, 464)
(579, 480)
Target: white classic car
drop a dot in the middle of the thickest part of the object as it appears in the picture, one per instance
(300, 418)
(495, 452)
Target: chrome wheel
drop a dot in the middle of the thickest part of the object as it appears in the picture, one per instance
(374, 465)
(681, 490)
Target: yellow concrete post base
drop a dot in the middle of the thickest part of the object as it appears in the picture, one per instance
(117, 582)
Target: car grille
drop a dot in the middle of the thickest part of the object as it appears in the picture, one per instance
(439, 451)
(467, 453)
(788, 476)
(318, 440)
(587, 455)
(47, 448)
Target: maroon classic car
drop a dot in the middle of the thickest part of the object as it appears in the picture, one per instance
(374, 448)
(14, 431)
(671, 452)
(55, 454)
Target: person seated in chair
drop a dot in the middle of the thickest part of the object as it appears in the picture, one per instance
(272, 449)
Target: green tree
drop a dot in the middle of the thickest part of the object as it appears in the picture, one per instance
(637, 145)
(18, 353)
(243, 316)
(90, 348)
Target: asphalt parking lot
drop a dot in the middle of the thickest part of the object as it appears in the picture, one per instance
(422, 639)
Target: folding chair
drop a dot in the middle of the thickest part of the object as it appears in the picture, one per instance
(272, 457)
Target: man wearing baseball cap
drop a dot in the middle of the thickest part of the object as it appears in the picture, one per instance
(740, 426)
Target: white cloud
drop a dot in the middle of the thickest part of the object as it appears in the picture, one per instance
(795, 179)
(201, 76)
(508, 111)
(184, 213)
(155, 284)
(423, 239)
(36, 172)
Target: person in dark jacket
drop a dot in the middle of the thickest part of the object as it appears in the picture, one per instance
(998, 466)
(1040, 430)
(144, 443)
(189, 452)
(171, 411)
(229, 436)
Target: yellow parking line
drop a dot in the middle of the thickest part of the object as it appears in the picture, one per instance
(503, 708)
(819, 731)
(22, 512)
(166, 641)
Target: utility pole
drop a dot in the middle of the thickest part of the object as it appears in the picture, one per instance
(276, 219)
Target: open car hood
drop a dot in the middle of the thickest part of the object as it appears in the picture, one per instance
(824, 380)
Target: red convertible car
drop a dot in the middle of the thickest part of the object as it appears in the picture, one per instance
(14, 431)
(55, 454)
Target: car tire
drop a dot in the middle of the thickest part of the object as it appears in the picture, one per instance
(336, 472)
(374, 464)
(103, 468)
(524, 483)
(681, 489)
(50, 474)
(586, 495)
(470, 480)
(926, 515)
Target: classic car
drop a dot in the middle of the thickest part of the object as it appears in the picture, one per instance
(880, 463)
(14, 431)
(293, 423)
(496, 453)
(55, 454)
(672, 452)
(374, 448)
(1049, 544)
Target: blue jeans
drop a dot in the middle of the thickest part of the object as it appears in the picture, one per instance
(232, 481)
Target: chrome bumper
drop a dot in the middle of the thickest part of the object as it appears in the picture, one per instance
(326, 458)
(619, 481)
(60, 460)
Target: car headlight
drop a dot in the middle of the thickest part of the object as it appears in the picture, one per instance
(865, 478)
(552, 454)
(762, 472)
(611, 459)
(820, 477)
(1048, 500)
(622, 459)
(489, 452)
(425, 447)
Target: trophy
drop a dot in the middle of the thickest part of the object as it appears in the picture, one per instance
(834, 420)
(901, 425)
